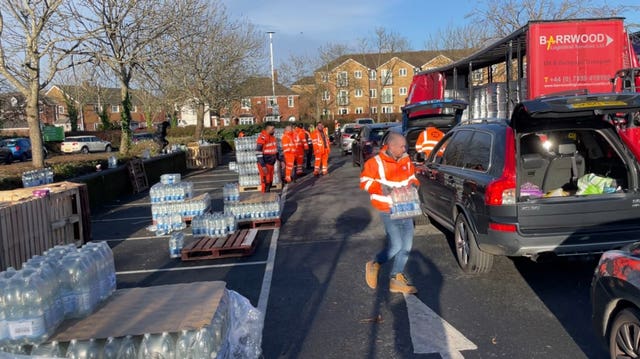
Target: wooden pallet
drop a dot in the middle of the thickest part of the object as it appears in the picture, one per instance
(137, 175)
(239, 244)
(270, 223)
(257, 188)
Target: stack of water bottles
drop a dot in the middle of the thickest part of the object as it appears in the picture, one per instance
(231, 192)
(176, 242)
(217, 224)
(405, 202)
(245, 211)
(37, 177)
(63, 283)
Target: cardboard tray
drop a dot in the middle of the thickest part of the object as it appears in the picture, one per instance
(135, 311)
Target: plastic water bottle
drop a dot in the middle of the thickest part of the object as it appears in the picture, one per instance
(111, 348)
(51, 350)
(113, 162)
(128, 349)
(185, 344)
(203, 345)
(176, 242)
(157, 346)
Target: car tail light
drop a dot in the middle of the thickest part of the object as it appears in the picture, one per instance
(502, 191)
(368, 143)
(502, 227)
(345, 135)
(17, 148)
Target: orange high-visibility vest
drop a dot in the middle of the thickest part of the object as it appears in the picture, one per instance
(320, 141)
(383, 170)
(289, 143)
(428, 140)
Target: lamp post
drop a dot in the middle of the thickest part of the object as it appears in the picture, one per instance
(274, 104)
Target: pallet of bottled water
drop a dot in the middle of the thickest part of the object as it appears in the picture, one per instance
(245, 169)
(217, 224)
(405, 203)
(246, 144)
(63, 283)
(176, 192)
(253, 211)
(170, 178)
(233, 330)
(231, 192)
(37, 177)
(249, 180)
(246, 157)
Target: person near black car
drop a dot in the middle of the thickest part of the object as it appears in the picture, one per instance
(389, 169)
(428, 139)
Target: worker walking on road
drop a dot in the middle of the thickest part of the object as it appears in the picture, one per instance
(309, 151)
(428, 140)
(289, 151)
(321, 150)
(301, 146)
(267, 154)
(390, 168)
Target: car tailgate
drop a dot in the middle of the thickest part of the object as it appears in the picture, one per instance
(594, 213)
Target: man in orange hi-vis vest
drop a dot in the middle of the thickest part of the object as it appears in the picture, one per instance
(321, 150)
(390, 169)
(289, 150)
(301, 147)
(267, 154)
(428, 140)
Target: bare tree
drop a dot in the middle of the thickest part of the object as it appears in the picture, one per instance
(33, 33)
(126, 39)
(207, 70)
(378, 49)
(457, 37)
(499, 18)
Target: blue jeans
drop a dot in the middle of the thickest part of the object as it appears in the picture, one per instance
(399, 241)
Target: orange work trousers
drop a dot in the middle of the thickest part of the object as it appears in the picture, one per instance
(266, 177)
(289, 159)
(299, 160)
(322, 161)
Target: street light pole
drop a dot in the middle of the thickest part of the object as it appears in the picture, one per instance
(273, 81)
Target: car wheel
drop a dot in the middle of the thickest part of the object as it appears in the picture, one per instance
(470, 258)
(9, 159)
(107, 149)
(24, 157)
(624, 337)
(85, 150)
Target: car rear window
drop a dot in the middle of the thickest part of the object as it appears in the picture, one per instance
(376, 135)
(350, 130)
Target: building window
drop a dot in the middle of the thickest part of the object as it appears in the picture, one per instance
(402, 90)
(271, 101)
(325, 95)
(343, 111)
(245, 102)
(96, 126)
(343, 98)
(358, 93)
(290, 101)
(359, 111)
(41, 108)
(357, 74)
(477, 75)
(387, 109)
(417, 69)
(60, 110)
(324, 77)
(135, 109)
(402, 72)
(387, 95)
(373, 93)
(325, 112)
(97, 108)
(115, 108)
(386, 77)
(374, 110)
(372, 75)
(246, 121)
(343, 79)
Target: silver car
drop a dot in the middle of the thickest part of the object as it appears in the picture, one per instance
(346, 137)
(85, 144)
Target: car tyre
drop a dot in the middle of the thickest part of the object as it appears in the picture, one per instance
(624, 334)
(9, 159)
(24, 157)
(108, 148)
(84, 150)
(470, 258)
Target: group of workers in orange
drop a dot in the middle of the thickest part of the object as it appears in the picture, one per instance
(296, 142)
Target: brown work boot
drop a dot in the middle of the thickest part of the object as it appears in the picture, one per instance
(400, 284)
(371, 274)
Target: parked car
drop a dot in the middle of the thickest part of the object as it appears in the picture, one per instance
(139, 137)
(20, 149)
(368, 141)
(615, 301)
(85, 144)
(6, 156)
(364, 121)
(555, 179)
(346, 140)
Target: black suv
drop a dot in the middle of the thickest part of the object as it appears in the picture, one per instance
(556, 178)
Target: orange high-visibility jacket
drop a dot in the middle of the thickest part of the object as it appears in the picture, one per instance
(382, 170)
(428, 140)
(301, 139)
(289, 143)
(266, 148)
(320, 142)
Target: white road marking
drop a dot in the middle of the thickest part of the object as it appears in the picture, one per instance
(432, 334)
(119, 219)
(143, 271)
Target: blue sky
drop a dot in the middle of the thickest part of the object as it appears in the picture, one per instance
(302, 26)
